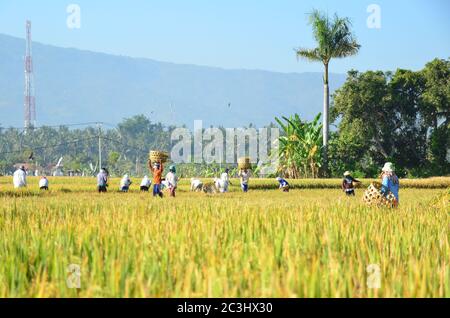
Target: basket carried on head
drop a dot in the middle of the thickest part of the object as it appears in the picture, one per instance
(156, 156)
(373, 196)
(244, 163)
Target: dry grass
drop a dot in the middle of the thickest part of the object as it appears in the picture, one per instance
(305, 243)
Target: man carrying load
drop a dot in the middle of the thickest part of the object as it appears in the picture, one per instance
(156, 168)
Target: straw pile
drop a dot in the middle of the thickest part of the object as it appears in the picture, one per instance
(373, 196)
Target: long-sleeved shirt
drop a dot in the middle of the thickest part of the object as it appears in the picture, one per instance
(146, 182)
(43, 182)
(172, 179)
(20, 178)
(283, 183)
(347, 183)
(125, 182)
(245, 176)
(390, 183)
(102, 179)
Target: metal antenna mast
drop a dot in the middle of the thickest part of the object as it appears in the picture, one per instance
(29, 102)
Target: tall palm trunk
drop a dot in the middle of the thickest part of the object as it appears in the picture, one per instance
(326, 106)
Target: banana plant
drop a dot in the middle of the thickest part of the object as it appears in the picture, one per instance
(300, 146)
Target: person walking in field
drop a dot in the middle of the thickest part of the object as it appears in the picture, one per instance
(390, 182)
(43, 183)
(244, 174)
(125, 183)
(196, 185)
(348, 184)
(284, 185)
(172, 180)
(145, 184)
(102, 180)
(20, 178)
(156, 168)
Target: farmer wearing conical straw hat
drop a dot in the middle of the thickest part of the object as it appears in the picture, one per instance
(389, 181)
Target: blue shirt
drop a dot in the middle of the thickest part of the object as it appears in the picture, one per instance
(283, 182)
(390, 184)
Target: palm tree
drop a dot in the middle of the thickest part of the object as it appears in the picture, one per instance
(335, 40)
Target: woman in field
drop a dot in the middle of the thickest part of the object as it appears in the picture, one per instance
(172, 180)
(125, 183)
(145, 184)
(244, 174)
(390, 182)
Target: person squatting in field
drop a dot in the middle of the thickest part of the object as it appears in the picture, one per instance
(196, 185)
(20, 178)
(145, 184)
(348, 184)
(244, 174)
(222, 183)
(102, 180)
(156, 168)
(172, 180)
(125, 183)
(284, 185)
(43, 183)
(390, 182)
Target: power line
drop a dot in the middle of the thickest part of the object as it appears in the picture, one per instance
(64, 125)
(50, 146)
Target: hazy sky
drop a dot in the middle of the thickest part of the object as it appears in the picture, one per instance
(250, 34)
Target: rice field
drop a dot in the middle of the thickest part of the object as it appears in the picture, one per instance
(310, 242)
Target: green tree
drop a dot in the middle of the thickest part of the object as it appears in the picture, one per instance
(334, 40)
(300, 146)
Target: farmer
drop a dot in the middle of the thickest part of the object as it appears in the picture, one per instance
(125, 183)
(196, 185)
(20, 178)
(348, 184)
(156, 169)
(222, 183)
(43, 183)
(284, 185)
(172, 180)
(390, 182)
(102, 180)
(244, 174)
(145, 184)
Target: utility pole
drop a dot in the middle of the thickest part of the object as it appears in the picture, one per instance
(137, 161)
(99, 146)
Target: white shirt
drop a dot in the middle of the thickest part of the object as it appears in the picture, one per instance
(224, 177)
(146, 182)
(125, 182)
(43, 182)
(195, 184)
(19, 179)
(245, 176)
(172, 179)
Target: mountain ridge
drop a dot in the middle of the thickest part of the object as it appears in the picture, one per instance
(74, 85)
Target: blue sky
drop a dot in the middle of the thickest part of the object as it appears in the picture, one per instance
(248, 34)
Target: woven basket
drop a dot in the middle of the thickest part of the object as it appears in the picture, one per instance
(373, 196)
(244, 163)
(156, 156)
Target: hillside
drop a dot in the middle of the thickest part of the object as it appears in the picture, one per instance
(78, 86)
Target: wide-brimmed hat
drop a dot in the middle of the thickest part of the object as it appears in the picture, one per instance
(347, 173)
(388, 167)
